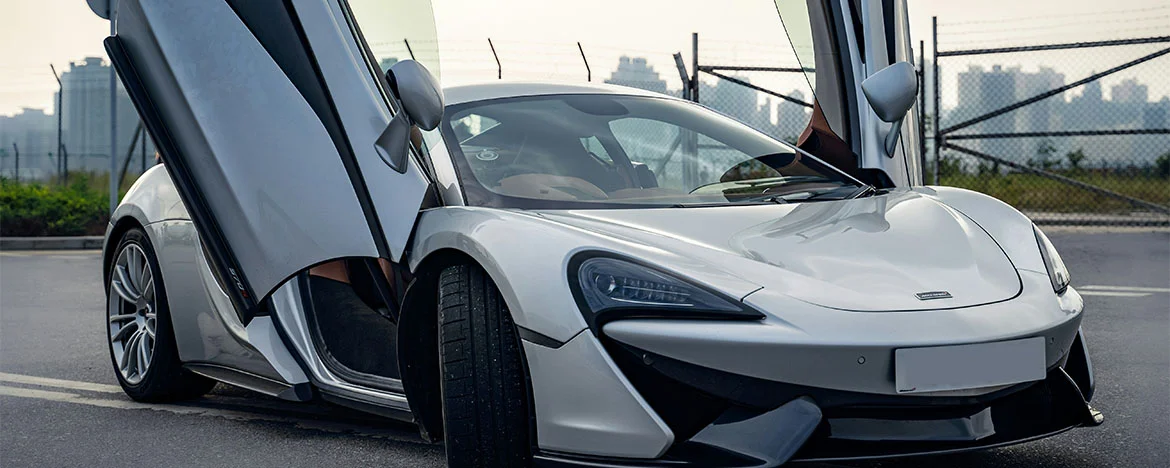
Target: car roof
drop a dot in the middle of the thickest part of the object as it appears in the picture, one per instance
(507, 89)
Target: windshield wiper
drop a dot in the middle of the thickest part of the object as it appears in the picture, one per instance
(865, 191)
(777, 199)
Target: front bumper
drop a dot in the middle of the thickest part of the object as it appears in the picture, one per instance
(749, 394)
(827, 425)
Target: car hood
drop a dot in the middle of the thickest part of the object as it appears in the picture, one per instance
(871, 254)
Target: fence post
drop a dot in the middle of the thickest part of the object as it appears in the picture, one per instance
(16, 152)
(588, 73)
(499, 68)
(937, 101)
(682, 75)
(695, 67)
(60, 96)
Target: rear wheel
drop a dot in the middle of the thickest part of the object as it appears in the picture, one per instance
(485, 392)
(138, 326)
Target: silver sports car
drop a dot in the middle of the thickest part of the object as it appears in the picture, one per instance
(572, 275)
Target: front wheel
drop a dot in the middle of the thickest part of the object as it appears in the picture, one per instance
(485, 393)
(140, 336)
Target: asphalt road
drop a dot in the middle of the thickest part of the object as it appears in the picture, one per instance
(60, 405)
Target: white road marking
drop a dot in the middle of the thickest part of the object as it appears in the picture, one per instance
(336, 427)
(1113, 293)
(69, 384)
(1125, 288)
(51, 253)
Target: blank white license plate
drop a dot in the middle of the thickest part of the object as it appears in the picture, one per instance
(942, 368)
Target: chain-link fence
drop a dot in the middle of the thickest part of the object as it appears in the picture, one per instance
(1066, 122)
(39, 146)
(1071, 132)
(759, 84)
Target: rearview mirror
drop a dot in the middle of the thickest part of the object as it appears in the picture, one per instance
(420, 104)
(891, 93)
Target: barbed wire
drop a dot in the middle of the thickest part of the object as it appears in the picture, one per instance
(1056, 17)
(1163, 22)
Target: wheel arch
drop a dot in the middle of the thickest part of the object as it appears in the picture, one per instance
(418, 347)
(118, 228)
(152, 198)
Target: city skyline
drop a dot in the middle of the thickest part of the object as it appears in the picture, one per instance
(35, 34)
(85, 128)
(86, 131)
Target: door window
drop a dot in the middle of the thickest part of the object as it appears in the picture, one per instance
(396, 30)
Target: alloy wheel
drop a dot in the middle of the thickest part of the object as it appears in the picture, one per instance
(132, 313)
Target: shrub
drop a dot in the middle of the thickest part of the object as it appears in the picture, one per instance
(35, 209)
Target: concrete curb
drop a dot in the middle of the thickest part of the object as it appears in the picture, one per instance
(51, 243)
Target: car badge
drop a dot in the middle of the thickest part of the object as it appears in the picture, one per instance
(930, 295)
(487, 155)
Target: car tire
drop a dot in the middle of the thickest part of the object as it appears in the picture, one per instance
(164, 378)
(485, 392)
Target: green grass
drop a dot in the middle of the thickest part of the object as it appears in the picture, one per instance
(1030, 192)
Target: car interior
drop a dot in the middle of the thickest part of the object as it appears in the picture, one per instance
(352, 306)
(616, 150)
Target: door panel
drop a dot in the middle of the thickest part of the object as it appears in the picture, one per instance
(364, 113)
(257, 158)
(887, 40)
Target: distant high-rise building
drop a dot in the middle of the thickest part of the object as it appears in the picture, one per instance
(791, 118)
(35, 135)
(86, 117)
(1157, 114)
(982, 91)
(1092, 92)
(1040, 116)
(636, 73)
(1129, 91)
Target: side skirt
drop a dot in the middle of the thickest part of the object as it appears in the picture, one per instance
(256, 383)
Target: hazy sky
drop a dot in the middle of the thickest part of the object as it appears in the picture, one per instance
(35, 33)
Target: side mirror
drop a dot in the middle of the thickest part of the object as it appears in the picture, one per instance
(420, 104)
(892, 92)
(100, 8)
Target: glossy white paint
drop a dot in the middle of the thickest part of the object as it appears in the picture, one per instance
(809, 345)
(206, 326)
(505, 89)
(151, 199)
(870, 254)
(1010, 228)
(591, 409)
(820, 271)
(527, 253)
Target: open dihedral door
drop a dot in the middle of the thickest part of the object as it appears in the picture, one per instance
(839, 43)
(265, 113)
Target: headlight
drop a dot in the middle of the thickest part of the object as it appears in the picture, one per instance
(609, 286)
(1057, 272)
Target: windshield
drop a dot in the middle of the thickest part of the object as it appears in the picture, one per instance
(591, 151)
